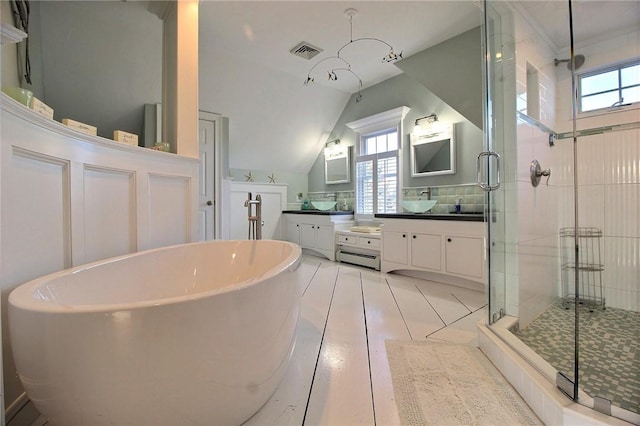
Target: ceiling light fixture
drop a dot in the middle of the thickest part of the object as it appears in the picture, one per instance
(346, 66)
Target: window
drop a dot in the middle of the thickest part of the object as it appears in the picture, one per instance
(377, 173)
(612, 86)
(378, 161)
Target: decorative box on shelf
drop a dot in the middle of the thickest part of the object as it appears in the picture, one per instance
(81, 127)
(41, 108)
(125, 137)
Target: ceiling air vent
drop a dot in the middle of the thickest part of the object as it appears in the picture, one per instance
(305, 50)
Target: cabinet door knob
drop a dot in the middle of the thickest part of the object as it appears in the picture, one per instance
(297, 225)
(368, 242)
(414, 237)
(449, 240)
(404, 235)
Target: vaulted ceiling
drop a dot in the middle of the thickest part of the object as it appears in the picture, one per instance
(248, 74)
(278, 123)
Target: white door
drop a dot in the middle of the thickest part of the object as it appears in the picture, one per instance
(207, 179)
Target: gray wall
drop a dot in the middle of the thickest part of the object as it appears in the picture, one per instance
(445, 79)
(452, 70)
(97, 62)
(398, 91)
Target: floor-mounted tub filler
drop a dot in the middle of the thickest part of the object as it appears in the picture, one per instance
(197, 334)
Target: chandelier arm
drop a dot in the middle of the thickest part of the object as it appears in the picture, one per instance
(326, 59)
(349, 70)
(363, 39)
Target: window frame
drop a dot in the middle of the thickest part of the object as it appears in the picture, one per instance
(363, 158)
(377, 123)
(618, 67)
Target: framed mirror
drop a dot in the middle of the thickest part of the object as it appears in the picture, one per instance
(433, 153)
(336, 164)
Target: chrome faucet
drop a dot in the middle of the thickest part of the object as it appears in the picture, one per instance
(426, 191)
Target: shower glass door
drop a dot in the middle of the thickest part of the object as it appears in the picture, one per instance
(499, 118)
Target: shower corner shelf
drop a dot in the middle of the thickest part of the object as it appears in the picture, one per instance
(587, 268)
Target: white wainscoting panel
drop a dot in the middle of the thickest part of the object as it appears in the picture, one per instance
(169, 210)
(109, 212)
(35, 217)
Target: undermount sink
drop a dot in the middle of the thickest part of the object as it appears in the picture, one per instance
(418, 206)
(323, 205)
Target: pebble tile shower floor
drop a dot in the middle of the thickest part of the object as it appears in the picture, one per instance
(609, 350)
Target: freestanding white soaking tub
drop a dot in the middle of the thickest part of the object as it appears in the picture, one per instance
(195, 334)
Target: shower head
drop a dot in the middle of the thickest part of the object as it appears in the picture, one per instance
(578, 61)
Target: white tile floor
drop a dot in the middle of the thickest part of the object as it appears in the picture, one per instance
(339, 373)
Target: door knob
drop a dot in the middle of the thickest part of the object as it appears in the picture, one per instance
(209, 202)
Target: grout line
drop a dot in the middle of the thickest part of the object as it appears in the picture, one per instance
(434, 309)
(399, 310)
(310, 281)
(324, 330)
(366, 334)
(461, 302)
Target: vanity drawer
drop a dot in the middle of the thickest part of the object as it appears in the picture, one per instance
(347, 239)
(368, 242)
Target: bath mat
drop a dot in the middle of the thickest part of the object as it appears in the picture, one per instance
(452, 384)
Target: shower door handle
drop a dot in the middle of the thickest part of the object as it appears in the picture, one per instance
(487, 186)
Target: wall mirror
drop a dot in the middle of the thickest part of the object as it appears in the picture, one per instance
(336, 164)
(433, 153)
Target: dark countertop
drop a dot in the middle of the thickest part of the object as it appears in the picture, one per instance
(319, 212)
(462, 217)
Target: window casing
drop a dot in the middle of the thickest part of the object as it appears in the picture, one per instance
(377, 172)
(378, 162)
(609, 87)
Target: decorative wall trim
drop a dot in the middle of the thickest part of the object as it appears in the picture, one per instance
(387, 119)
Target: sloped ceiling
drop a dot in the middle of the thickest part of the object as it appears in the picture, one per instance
(247, 73)
(451, 70)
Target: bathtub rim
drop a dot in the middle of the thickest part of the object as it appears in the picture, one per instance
(22, 297)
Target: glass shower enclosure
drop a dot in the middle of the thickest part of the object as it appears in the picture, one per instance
(561, 169)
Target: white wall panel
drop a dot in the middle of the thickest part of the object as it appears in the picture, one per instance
(35, 220)
(109, 212)
(35, 231)
(169, 219)
(274, 201)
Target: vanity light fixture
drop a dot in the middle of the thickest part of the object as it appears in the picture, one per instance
(346, 65)
(332, 143)
(428, 125)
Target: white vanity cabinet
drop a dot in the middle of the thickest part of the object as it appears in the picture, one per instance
(464, 256)
(359, 248)
(315, 231)
(445, 247)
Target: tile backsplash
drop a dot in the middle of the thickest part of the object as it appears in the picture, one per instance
(471, 197)
(338, 196)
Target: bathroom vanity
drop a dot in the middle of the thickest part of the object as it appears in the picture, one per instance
(315, 229)
(448, 248)
(359, 248)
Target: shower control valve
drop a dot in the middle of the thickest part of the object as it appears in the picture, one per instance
(536, 173)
